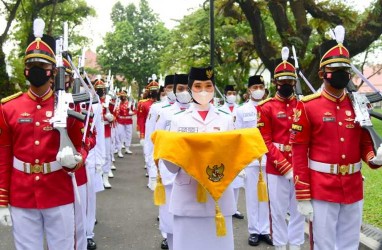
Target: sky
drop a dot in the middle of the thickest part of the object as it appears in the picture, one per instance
(167, 10)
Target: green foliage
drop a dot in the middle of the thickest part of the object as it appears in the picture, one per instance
(133, 49)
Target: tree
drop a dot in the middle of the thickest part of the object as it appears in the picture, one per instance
(133, 48)
(54, 13)
(189, 46)
(9, 10)
(303, 23)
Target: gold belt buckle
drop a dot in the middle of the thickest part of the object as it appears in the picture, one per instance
(287, 148)
(36, 169)
(344, 169)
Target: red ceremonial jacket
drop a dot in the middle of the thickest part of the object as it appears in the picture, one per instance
(142, 114)
(122, 113)
(275, 122)
(25, 133)
(324, 131)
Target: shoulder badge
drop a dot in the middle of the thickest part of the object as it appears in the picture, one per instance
(264, 101)
(11, 97)
(310, 97)
(223, 111)
(179, 112)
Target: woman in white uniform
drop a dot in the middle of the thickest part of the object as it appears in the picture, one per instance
(194, 222)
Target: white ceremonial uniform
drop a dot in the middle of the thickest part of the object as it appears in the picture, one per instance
(96, 159)
(238, 182)
(150, 127)
(167, 218)
(194, 223)
(257, 212)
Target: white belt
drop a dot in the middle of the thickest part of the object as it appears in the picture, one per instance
(43, 168)
(335, 168)
(283, 147)
(125, 117)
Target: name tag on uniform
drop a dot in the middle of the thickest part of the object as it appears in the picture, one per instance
(188, 129)
(328, 119)
(247, 117)
(281, 115)
(25, 120)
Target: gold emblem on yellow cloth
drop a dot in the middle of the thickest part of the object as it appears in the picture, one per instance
(215, 173)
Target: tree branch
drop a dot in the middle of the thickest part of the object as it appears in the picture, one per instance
(278, 9)
(318, 12)
(11, 17)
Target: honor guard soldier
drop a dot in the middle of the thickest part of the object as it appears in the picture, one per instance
(183, 99)
(166, 98)
(194, 221)
(108, 118)
(275, 123)
(229, 106)
(124, 117)
(34, 179)
(328, 149)
(257, 211)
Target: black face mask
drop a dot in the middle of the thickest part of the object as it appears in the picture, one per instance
(100, 92)
(338, 79)
(285, 90)
(38, 76)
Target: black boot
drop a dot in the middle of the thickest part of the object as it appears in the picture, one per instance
(91, 244)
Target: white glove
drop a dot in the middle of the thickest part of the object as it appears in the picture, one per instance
(5, 217)
(142, 142)
(242, 174)
(305, 208)
(131, 112)
(67, 158)
(98, 169)
(377, 160)
(152, 183)
(109, 117)
(289, 175)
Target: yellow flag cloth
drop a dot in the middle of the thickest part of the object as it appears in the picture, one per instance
(212, 159)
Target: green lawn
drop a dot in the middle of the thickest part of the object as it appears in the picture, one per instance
(372, 211)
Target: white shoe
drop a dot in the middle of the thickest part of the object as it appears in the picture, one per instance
(106, 182)
(112, 158)
(113, 167)
(147, 175)
(115, 151)
(145, 167)
(111, 175)
(123, 146)
(120, 155)
(127, 150)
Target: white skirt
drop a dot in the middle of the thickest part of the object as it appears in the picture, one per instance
(165, 217)
(192, 233)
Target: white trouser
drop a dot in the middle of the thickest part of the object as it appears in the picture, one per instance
(236, 193)
(91, 206)
(166, 219)
(125, 133)
(170, 241)
(80, 215)
(107, 166)
(283, 200)
(336, 226)
(29, 226)
(114, 138)
(257, 212)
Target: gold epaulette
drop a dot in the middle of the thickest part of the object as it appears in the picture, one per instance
(11, 97)
(310, 97)
(144, 100)
(264, 101)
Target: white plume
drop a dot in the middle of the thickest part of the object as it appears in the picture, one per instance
(38, 27)
(98, 77)
(285, 53)
(340, 33)
(154, 77)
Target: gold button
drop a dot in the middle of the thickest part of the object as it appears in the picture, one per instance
(37, 178)
(36, 161)
(290, 155)
(338, 107)
(289, 117)
(36, 143)
(287, 105)
(342, 139)
(38, 106)
(343, 156)
(340, 123)
(37, 124)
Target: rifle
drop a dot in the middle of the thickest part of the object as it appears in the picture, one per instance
(299, 73)
(62, 101)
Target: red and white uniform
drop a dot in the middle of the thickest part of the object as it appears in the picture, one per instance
(142, 115)
(28, 139)
(328, 147)
(124, 116)
(107, 124)
(275, 122)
